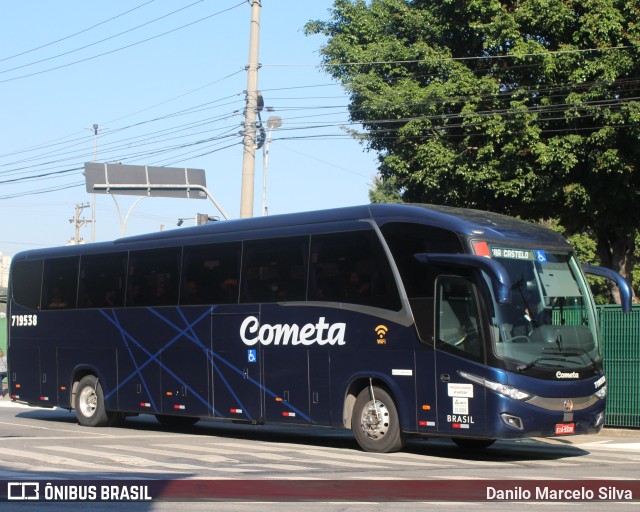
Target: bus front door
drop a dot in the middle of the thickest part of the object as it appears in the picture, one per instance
(459, 349)
(236, 365)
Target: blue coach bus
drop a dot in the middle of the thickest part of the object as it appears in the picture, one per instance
(389, 320)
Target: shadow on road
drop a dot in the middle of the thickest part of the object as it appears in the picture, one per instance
(323, 437)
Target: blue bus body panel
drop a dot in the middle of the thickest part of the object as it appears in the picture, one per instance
(192, 361)
(539, 421)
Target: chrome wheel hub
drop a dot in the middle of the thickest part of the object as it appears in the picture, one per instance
(375, 420)
(88, 402)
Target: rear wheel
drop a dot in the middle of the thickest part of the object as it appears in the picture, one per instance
(176, 421)
(375, 423)
(89, 404)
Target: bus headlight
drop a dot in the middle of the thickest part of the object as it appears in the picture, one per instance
(601, 393)
(501, 389)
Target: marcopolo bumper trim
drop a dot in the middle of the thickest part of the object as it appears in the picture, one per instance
(560, 404)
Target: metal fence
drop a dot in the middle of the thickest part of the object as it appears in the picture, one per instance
(621, 352)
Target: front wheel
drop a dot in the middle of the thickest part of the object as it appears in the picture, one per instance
(89, 404)
(375, 422)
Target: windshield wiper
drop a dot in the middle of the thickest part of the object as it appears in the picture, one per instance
(559, 342)
(524, 367)
(579, 351)
(574, 351)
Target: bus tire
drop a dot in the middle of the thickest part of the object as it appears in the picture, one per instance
(377, 431)
(89, 404)
(178, 422)
(472, 445)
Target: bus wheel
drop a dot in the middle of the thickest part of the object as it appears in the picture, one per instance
(376, 424)
(89, 405)
(176, 421)
(472, 445)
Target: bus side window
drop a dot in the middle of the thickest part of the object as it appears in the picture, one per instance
(26, 283)
(102, 280)
(153, 277)
(60, 283)
(457, 327)
(210, 274)
(275, 270)
(352, 267)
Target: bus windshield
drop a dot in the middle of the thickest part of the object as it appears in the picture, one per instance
(550, 322)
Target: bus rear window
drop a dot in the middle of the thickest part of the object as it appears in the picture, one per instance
(26, 282)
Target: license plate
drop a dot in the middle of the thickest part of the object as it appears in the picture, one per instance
(565, 428)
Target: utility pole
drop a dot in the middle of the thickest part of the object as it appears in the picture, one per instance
(78, 222)
(249, 154)
(95, 129)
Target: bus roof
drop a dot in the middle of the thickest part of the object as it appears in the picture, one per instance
(463, 221)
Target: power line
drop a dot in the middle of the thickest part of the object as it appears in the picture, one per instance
(458, 59)
(81, 140)
(76, 33)
(122, 47)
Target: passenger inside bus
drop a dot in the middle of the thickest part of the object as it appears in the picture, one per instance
(56, 299)
(192, 293)
(356, 289)
(110, 298)
(229, 290)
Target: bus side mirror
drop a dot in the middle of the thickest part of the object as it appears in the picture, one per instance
(500, 281)
(621, 283)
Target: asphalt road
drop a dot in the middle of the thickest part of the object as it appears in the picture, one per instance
(43, 444)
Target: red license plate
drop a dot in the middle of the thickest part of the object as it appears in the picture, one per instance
(565, 428)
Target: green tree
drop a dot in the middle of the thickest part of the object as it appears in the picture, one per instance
(525, 107)
(384, 191)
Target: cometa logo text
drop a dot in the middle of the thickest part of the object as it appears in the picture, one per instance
(321, 333)
(567, 375)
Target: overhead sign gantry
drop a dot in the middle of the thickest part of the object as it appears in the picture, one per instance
(147, 181)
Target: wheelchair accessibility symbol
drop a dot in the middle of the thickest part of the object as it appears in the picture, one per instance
(541, 256)
(252, 355)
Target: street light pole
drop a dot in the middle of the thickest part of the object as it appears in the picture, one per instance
(249, 154)
(93, 203)
(272, 122)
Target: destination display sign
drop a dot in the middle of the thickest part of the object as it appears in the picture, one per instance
(513, 253)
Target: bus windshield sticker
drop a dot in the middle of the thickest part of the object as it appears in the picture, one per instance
(251, 355)
(460, 390)
(460, 406)
(512, 254)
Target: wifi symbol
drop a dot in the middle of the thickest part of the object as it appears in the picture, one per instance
(381, 331)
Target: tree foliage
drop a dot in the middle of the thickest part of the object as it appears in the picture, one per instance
(527, 108)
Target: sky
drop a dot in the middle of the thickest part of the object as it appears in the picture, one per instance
(164, 80)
